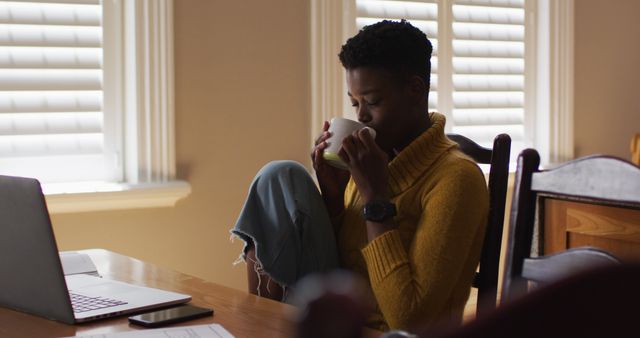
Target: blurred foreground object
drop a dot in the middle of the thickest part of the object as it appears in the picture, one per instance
(334, 305)
(600, 302)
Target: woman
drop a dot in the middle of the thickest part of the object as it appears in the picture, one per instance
(408, 215)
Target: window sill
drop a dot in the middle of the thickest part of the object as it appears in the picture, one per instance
(101, 196)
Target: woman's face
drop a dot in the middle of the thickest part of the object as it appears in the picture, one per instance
(384, 103)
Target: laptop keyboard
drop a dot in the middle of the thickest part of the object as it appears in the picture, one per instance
(82, 303)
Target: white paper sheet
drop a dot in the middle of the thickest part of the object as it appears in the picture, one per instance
(195, 331)
(75, 263)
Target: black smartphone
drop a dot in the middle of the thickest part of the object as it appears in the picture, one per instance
(170, 316)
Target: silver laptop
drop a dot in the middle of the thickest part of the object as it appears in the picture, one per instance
(31, 275)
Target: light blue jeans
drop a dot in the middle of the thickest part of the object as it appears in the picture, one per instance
(287, 221)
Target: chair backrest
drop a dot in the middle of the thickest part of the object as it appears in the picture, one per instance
(635, 149)
(551, 268)
(589, 201)
(486, 279)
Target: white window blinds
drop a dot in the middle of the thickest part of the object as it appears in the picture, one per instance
(488, 70)
(478, 59)
(51, 117)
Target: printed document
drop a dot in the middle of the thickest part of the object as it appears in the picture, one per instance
(194, 331)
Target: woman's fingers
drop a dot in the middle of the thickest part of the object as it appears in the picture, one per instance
(366, 138)
(358, 147)
(348, 149)
(316, 157)
(325, 133)
(323, 137)
(321, 142)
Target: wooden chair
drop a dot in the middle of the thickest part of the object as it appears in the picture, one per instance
(635, 149)
(486, 279)
(593, 183)
(548, 269)
(552, 268)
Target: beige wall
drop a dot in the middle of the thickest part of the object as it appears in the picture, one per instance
(241, 70)
(607, 76)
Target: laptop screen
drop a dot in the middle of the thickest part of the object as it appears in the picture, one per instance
(31, 277)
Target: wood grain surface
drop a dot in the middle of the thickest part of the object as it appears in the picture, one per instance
(570, 224)
(242, 314)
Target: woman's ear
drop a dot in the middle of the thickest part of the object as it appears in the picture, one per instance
(417, 87)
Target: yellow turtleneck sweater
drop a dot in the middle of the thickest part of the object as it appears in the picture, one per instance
(422, 271)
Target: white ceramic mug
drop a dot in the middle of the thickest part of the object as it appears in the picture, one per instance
(340, 128)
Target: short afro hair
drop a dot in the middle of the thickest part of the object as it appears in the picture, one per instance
(396, 46)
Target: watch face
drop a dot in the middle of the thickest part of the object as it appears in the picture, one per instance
(377, 211)
(373, 211)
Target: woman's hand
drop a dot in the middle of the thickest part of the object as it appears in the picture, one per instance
(368, 165)
(332, 181)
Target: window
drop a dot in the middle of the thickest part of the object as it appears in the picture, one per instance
(86, 101)
(51, 113)
(494, 65)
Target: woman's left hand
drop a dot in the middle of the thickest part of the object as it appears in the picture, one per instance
(368, 165)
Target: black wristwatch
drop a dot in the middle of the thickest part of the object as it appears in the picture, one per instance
(378, 211)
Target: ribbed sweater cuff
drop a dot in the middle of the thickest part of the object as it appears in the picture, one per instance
(383, 255)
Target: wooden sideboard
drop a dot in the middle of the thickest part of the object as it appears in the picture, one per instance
(569, 224)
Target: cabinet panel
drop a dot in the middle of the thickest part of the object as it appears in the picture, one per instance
(570, 224)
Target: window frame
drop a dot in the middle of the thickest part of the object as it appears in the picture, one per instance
(548, 70)
(139, 114)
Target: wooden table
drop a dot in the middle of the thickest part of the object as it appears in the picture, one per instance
(241, 313)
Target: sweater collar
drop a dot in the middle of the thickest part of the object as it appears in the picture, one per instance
(412, 161)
